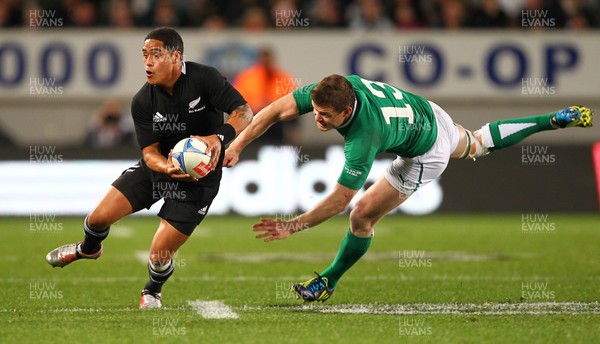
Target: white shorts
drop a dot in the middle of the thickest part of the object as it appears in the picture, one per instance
(407, 175)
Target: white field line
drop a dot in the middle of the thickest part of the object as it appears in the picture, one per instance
(375, 256)
(91, 310)
(540, 308)
(213, 309)
(121, 231)
(219, 310)
(202, 232)
(141, 256)
(240, 257)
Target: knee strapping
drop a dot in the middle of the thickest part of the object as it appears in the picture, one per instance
(475, 147)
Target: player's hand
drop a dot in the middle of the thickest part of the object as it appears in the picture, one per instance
(231, 157)
(214, 145)
(175, 172)
(275, 229)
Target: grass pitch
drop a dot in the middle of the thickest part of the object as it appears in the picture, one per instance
(523, 278)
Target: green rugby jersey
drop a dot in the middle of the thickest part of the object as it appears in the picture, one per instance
(385, 119)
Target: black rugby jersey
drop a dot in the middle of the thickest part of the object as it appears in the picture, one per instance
(200, 96)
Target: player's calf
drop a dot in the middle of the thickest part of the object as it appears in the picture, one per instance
(92, 238)
(159, 272)
(509, 132)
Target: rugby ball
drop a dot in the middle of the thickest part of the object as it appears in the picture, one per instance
(190, 156)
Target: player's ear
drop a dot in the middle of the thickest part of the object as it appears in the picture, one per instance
(176, 56)
(348, 111)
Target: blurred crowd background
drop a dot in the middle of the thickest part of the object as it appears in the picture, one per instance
(109, 123)
(323, 14)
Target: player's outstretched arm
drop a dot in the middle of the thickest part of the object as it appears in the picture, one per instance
(238, 120)
(283, 109)
(336, 202)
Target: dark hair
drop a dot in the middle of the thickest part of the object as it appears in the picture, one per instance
(169, 37)
(335, 91)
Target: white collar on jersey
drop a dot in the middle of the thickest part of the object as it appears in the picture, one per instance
(183, 67)
(345, 124)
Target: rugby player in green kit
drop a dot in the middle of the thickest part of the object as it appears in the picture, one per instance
(374, 117)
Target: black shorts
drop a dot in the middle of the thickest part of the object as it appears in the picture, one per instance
(186, 204)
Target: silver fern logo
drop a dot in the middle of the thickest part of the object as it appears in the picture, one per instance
(194, 102)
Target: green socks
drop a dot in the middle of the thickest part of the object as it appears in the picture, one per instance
(508, 132)
(351, 250)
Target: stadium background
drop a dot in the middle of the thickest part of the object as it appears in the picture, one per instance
(480, 60)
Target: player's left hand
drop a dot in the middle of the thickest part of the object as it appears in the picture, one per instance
(275, 229)
(213, 145)
(175, 172)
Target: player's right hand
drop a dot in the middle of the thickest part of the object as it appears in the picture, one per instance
(274, 229)
(231, 157)
(176, 172)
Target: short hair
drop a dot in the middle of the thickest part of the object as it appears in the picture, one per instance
(335, 91)
(169, 37)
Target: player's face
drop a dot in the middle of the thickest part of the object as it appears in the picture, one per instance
(327, 118)
(160, 64)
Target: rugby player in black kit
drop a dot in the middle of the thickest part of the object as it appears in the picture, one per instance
(180, 99)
